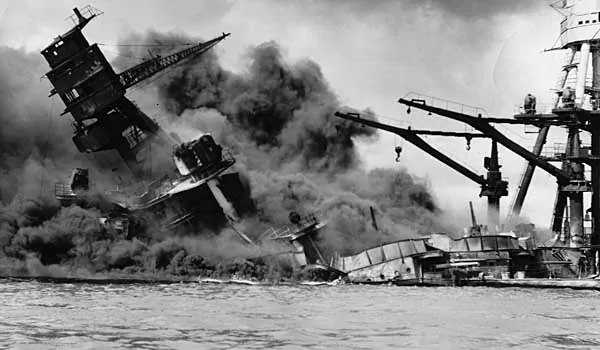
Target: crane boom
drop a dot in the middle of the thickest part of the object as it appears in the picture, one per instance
(486, 128)
(413, 138)
(492, 186)
(149, 68)
(517, 204)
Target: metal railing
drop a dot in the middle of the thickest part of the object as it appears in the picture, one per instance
(272, 233)
(87, 12)
(303, 221)
(63, 190)
(540, 108)
(213, 169)
(558, 150)
(446, 104)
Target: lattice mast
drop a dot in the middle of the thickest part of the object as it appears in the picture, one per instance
(105, 119)
(94, 94)
(579, 31)
(576, 109)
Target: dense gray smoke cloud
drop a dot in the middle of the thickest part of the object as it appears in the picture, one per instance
(284, 109)
(25, 132)
(35, 140)
(277, 118)
(462, 9)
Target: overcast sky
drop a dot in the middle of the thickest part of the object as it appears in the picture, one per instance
(486, 53)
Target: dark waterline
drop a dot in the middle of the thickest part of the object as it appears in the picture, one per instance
(210, 316)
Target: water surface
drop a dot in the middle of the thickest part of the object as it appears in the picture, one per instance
(217, 316)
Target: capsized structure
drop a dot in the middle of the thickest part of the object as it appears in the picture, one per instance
(197, 188)
(302, 238)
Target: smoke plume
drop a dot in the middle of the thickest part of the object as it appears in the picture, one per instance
(26, 133)
(276, 116)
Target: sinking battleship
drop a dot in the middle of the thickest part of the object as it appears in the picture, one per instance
(198, 187)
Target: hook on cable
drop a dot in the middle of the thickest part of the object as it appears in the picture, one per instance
(398, 151)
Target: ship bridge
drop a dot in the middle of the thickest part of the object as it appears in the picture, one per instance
(581, 22)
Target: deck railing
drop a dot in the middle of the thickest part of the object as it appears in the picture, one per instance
(445, 104)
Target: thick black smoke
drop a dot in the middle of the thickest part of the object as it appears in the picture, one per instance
(39, 238)
(276, 116)
(27, 133)
(36, 149)
(284, 109)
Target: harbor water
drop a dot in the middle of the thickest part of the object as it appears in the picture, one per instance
(223, 316)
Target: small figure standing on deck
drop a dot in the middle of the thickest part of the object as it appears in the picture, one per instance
(568, 97)
(529, 104)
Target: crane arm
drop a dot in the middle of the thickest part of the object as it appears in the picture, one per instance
(473, 218)
(413, 138)
(149, 68)
(494, 134)
(517, 204)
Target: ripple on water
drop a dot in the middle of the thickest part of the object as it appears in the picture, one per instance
(43, 316)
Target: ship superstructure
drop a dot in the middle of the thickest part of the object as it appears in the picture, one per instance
(576, 109)
(192, 186)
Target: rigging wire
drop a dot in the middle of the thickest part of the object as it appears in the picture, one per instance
(395, 120)
(451, 154)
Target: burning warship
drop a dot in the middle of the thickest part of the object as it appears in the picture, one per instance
(198, 190)
(197, 187)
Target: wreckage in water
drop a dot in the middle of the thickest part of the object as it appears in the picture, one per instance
(198, 187)
(574, 252)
